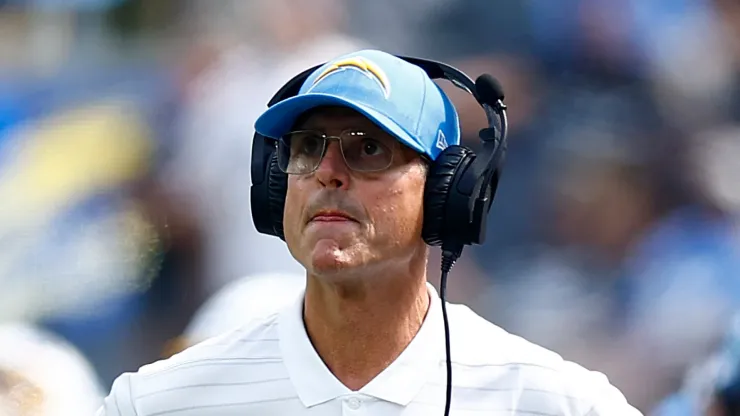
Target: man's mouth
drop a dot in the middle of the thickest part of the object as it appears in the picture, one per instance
(331, 216)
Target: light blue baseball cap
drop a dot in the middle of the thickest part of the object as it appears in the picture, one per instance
(396, 95)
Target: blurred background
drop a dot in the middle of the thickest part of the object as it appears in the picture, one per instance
(125, 139)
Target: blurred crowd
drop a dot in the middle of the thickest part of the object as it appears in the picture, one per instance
(125, 140)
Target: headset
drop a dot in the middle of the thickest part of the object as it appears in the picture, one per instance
(460, 186)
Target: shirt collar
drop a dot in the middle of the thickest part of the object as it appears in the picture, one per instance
(399, 383)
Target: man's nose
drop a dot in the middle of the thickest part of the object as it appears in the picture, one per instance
(333, 171)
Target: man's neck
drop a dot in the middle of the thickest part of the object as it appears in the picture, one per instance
(359, 328)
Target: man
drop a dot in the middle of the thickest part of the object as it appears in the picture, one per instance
(366, 335)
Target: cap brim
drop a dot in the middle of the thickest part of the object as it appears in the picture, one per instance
(279, 119)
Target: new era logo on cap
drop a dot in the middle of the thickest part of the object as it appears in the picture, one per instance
(441, 141)
(396, 95)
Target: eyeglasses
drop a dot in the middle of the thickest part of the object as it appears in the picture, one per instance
(301, 152)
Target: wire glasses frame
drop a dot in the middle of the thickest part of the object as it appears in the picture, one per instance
(301, 152)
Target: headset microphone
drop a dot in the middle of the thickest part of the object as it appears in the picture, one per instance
(488, 90)
(480, 179)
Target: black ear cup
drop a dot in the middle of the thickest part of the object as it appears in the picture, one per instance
(277, 188)
(437, 192)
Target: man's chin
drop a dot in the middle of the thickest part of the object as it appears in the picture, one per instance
(329, 257)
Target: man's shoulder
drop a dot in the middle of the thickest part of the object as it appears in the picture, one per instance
(483, 343)
(490, 358)
(244, 358)
(253, 339)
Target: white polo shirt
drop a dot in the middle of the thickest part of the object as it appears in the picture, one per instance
(269, 367)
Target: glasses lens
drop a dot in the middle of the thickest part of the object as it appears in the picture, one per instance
(364, 153)
(300, 152)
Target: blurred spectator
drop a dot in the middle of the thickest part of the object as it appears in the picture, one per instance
(62, 180)
(602, 202)
(42, 375)
(686, 274)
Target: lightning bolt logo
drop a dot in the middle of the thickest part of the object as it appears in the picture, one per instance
(363, 65)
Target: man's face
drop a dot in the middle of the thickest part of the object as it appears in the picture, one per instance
(385, 208)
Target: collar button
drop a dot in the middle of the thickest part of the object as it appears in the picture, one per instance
(354, 403)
